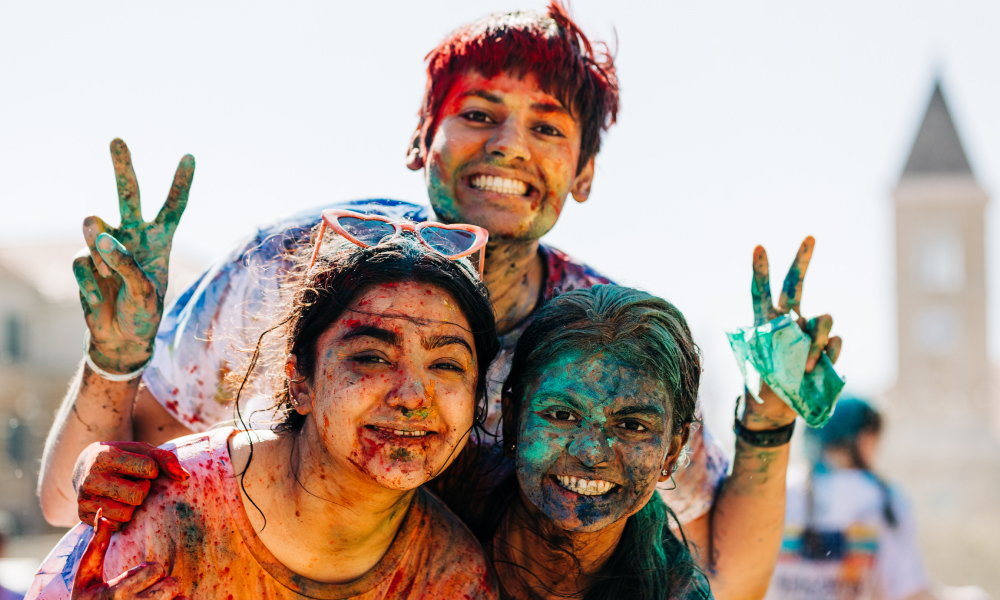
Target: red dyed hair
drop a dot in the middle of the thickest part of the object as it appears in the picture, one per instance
(550, 46)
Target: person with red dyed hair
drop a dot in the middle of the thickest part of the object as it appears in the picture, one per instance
(509, 128)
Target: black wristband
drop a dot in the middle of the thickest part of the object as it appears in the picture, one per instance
(767, 438)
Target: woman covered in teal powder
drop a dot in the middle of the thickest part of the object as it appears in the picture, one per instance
(597, 408)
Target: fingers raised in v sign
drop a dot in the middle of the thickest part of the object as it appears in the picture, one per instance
(791, 291)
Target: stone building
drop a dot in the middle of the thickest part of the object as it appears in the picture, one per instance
(41, 342)
(41, 335)
(940, 443)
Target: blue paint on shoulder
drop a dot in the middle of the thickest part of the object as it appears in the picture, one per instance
(75, 556)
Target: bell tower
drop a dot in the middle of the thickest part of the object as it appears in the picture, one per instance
(941, 277)
(939, 442)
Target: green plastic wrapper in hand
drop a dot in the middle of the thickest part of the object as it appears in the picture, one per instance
(775, 353)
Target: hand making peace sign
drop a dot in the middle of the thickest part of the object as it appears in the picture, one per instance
(123, 274)
(773, 412)
(817, 328)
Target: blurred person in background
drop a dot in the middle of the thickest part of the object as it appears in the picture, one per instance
(848, 533)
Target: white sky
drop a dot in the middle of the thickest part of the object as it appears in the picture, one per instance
(741, 123)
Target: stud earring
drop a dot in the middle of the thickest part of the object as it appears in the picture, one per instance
(513, 447)
(664, 472)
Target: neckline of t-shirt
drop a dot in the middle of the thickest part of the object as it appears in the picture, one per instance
(303, 586)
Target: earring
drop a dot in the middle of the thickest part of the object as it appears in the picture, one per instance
(664, 472)
(513, 447)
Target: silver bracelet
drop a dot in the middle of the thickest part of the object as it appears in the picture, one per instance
(117, 377)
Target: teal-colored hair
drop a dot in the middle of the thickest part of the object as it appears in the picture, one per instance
(650, 562)
(851, 417)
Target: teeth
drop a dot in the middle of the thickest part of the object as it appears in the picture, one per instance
(402, 433)
(585, 487)
(502, 185)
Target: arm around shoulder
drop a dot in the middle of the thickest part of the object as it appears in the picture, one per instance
(122, 278)
(93, 410)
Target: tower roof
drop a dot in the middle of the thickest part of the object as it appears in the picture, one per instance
(937, 149)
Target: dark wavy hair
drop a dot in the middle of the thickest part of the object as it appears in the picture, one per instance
(316, 298)
(650, 335)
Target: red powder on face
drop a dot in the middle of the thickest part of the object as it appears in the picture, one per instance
(369, 449)
(552, 47)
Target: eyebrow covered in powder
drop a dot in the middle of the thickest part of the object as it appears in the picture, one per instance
(394, 339)
(642, 409)
(489, 97)
(559, 396)
(438, 341)
(551, 107)
(541, 107)
(648, 410)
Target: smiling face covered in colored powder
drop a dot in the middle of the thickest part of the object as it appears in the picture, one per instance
(505, 157)
(393, 392)
(593, 437)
